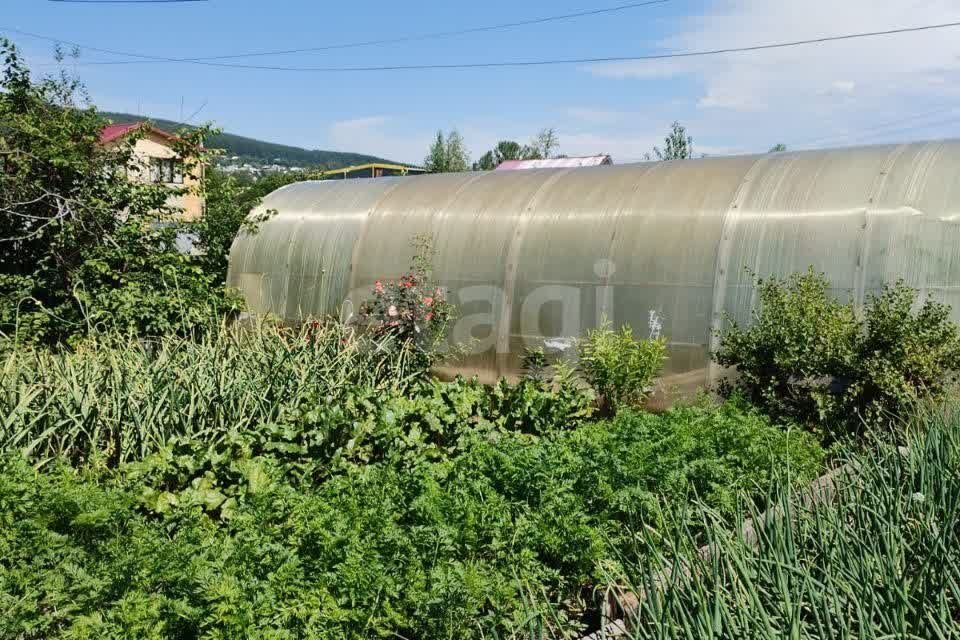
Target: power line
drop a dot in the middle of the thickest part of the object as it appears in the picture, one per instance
(875, 129)
(413, 38)
(857, 136)
(124, 1)
(142, 58)
(524, 63)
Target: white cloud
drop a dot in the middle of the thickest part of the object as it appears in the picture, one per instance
(812, 89)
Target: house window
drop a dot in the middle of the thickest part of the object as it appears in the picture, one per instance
(166, 170)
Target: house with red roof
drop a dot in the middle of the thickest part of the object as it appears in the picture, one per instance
(155, 159)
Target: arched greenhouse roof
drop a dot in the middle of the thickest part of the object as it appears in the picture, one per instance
(545, 254)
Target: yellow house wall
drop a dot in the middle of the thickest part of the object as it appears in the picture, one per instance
(154, 146)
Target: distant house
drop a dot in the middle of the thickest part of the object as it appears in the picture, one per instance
(155, 160)
(371, 170)
(554, 163)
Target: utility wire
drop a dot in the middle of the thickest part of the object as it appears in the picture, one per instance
(419, 37)
(124, 1)
(347, 45)
(531, 63)
(875, 129)
(857, 136)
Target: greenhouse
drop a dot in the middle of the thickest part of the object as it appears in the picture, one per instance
(537, 257)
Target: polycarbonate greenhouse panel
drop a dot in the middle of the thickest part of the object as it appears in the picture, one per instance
(541, 256)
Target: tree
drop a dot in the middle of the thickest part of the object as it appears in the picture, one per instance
(545, 145)
(81, 245)
(447, 154)
(485, 163)
(436, 160)
(677, 145)
(509, 150)
(778, 148)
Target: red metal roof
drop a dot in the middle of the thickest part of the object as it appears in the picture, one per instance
(114, 131)
(554, 163)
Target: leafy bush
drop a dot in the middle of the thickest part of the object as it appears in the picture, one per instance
(620, 367)
(84, 247)
(810, 358)
(878, 561)
(228, 203)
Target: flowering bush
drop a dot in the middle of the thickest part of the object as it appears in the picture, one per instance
(412, 309)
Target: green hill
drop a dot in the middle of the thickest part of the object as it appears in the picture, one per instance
(258, 151)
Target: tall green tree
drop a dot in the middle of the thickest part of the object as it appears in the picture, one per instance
(81, 244)
(485, 163)
(676, 146)
(447, 154)
(509, 150)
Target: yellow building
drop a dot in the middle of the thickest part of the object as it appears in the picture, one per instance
(371, 170)
(155, 159)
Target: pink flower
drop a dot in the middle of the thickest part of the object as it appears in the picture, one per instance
(429, 316)
(378, 286)
(392, 311)
(427, 301)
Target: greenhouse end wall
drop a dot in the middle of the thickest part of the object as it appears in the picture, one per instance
(543, 255)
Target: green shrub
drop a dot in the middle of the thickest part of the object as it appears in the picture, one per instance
(809, 358)
(620, 367)
(878, 561)
(84, 247)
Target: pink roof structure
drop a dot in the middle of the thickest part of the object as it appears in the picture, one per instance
(114, 131)
(554, 163)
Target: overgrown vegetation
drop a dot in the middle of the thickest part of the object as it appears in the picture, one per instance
(879, 560)
(84, 246)
(167, 473)
(277, 483)
(810, 358)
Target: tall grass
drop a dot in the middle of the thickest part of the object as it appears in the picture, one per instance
(124, 398)
(879, 560)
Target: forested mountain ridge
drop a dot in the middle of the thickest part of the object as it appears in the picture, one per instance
(259, 151)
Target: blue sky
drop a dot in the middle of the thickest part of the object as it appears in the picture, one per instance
(863, 91)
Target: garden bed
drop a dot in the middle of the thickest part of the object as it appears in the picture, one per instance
(306, 490)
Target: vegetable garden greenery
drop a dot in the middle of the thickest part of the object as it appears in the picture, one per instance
(296, 484)
(167, 472)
